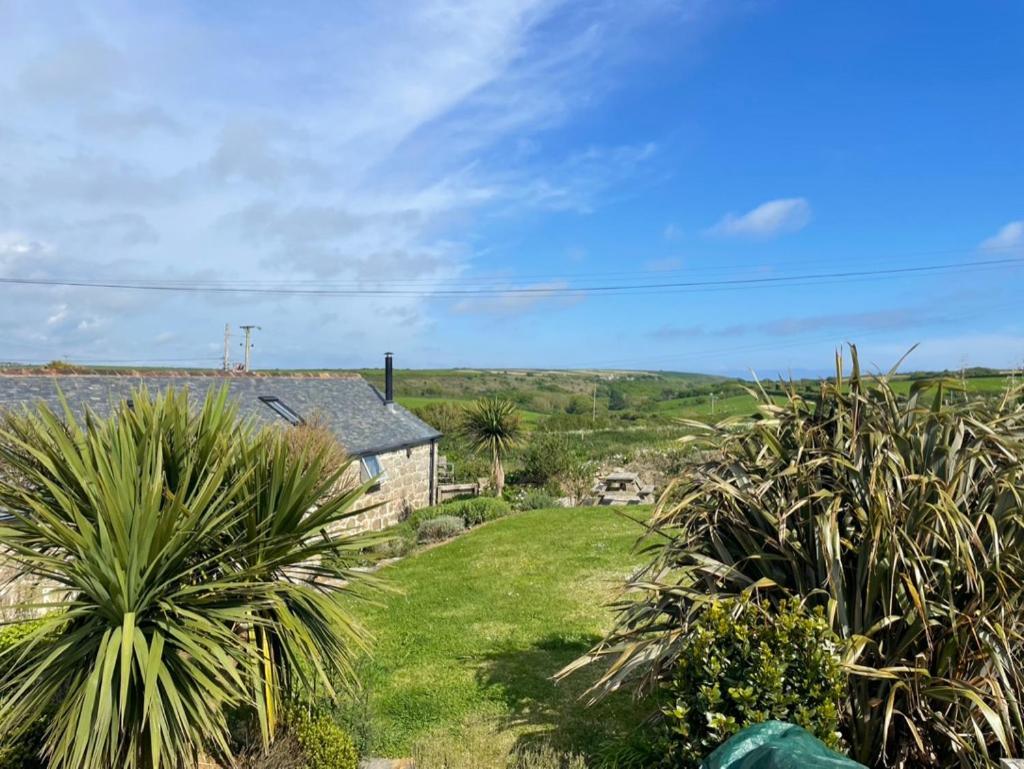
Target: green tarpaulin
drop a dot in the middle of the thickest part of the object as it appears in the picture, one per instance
(776, 745)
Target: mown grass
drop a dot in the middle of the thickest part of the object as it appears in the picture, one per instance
(480, 625)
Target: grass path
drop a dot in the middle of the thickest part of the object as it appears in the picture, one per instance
(482, 623)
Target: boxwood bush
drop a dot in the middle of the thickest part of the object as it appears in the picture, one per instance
(325, 745)
(743, 663)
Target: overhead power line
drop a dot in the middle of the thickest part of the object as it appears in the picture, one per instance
(464, 278)
(606, 289)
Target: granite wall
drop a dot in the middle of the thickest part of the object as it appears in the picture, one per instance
(410, 483)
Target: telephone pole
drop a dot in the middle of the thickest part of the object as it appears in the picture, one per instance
(227, 341)
(248, 346)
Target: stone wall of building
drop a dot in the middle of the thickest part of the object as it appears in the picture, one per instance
(408, 486)
(16, 594)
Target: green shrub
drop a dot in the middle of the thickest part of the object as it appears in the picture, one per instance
(22, 752)
(442, 527)
(741, 664)
(424, 514)
(12, 634)
(473, 511)
(478, 510)
(325, 745)
(534, 499)
(545, 456)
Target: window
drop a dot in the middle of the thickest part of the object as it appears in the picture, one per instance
(281, 409)
(369, 467)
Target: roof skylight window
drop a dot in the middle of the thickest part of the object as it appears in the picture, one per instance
(282, 410)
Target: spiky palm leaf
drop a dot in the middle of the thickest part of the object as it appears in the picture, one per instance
(493, 425)
(903, 516)
(186, 554)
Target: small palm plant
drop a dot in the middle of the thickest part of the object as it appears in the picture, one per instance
(195, 568)
(493, 425)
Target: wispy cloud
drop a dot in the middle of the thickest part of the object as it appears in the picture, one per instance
(526, 299)
(771, 218)
(1010, 236)
(151, 141)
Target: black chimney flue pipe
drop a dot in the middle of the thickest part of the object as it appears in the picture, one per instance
(389, 379)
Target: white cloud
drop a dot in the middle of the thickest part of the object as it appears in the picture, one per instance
(60, 314)
(1010, 236)
(17, 244)
(145, 141)
(771, 218)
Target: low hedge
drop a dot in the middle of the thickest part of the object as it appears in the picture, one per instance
(472, 511)
(442, 527)
(478, 510)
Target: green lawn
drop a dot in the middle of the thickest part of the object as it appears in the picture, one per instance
(482, 622)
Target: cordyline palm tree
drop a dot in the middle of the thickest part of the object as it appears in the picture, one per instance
(492, 425)
(196, 570)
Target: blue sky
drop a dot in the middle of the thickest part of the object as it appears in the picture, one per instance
(522, 151)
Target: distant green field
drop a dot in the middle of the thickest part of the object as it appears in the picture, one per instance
(615, 402)
(989, 385)
(649, 397)
(706, 409)
(414, 402)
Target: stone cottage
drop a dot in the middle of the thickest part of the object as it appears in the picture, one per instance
(386, 441)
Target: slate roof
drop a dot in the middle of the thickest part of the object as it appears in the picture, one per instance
(350, 406)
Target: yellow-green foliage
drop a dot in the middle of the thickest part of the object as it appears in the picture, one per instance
(22, 752)
(741, 664)
(325, 745)
(10, 635)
